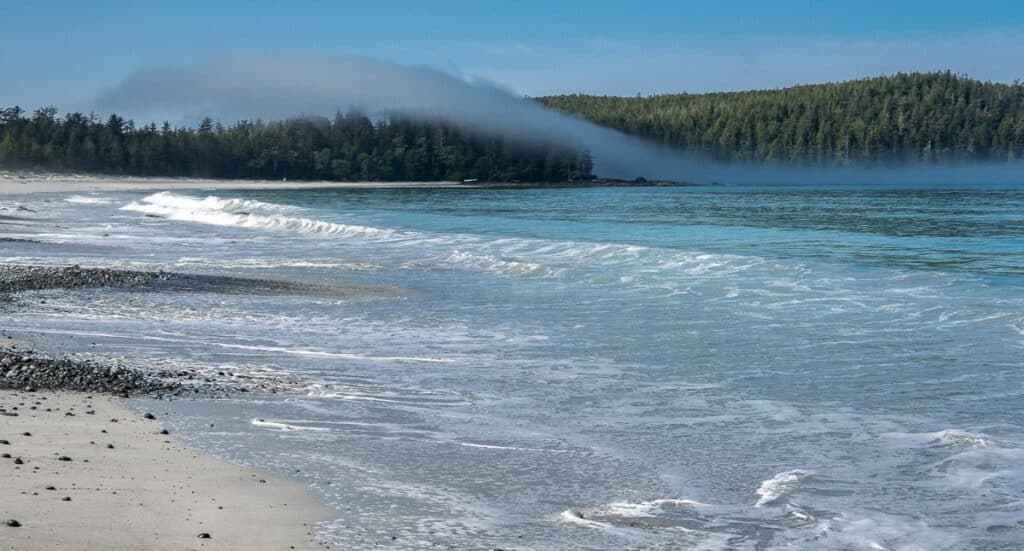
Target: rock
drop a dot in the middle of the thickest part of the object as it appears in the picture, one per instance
(205, 536)
(18, 461)
(13, 523)
(51, 488)
(149, 416)
(63, 458)
(65, 498)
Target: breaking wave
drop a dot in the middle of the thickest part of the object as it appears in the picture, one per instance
(779, 486)
(242, 213)
(511, 256)
(947, 437)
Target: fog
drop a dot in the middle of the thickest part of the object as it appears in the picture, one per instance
(279, 87)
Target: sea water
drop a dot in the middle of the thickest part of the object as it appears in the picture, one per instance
(713, 367)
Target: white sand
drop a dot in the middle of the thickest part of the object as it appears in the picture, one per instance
(17, 183)
(147, 492)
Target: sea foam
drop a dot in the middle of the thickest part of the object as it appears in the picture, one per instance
(780, 485)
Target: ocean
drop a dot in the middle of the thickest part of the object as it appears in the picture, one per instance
(826, 367)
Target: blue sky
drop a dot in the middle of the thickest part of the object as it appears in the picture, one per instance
(67, 53)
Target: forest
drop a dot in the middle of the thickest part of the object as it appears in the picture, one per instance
(349, 147)
(902, 118)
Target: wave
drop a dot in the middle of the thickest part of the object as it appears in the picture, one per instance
(648, 509)
(511, 448)
(958, 438)
(273, 263)
(83, 200)
(639, 266)
(282, 426)
(244, 213)
(494, 264)
(875, 532)
(643, 521)
(578, 518)
(946, 437)
(779, 486)
(339, 355)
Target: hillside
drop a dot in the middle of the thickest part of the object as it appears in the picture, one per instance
(918, 117)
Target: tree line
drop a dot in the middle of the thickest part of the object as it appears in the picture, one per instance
(349, 147)
(915, 117)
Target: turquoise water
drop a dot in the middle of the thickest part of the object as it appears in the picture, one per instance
(726, 367)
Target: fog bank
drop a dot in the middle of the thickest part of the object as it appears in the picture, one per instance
(279, 87)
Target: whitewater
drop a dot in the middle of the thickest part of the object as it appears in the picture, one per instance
(819, 367)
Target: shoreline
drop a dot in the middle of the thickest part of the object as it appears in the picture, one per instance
(81, 470)
(28, 183)
(23, 184)
(85, 472)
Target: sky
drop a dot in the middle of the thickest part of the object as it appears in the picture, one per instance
(69, 53)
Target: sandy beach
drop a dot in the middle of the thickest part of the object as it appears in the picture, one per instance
(79, 471)
(12, 183)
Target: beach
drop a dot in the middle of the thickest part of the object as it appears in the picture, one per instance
(80, 471)
(12, 183)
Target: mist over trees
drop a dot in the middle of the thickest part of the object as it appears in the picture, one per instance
(916, 118)
(903, 118)
(350, 147)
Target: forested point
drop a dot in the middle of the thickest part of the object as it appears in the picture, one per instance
(916, 118)
(350, 147)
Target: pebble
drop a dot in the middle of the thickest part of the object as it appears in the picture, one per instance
(33, 371)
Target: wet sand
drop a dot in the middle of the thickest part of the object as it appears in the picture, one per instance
(87, 482)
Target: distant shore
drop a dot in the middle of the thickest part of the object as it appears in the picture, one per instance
(16, 183)
(22, 183)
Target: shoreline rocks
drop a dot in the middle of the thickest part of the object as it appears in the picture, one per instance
(24, 370)
(16, 278)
